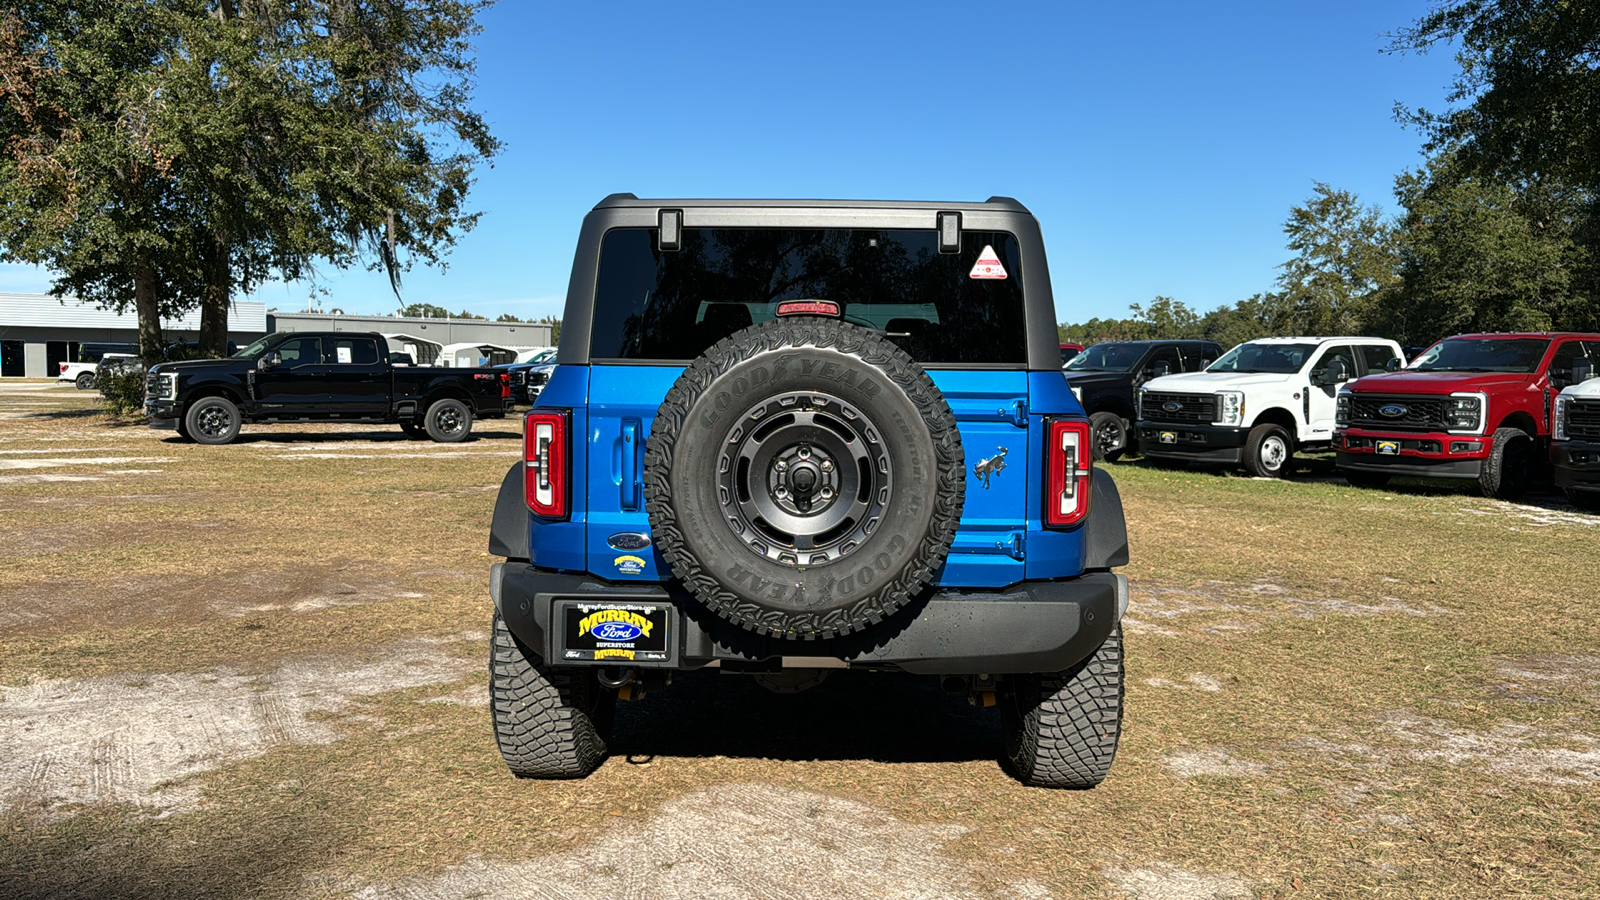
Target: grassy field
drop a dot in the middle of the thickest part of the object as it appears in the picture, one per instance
(258, 670)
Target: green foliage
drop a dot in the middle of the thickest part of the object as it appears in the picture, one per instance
(1346, 255)
(1169, 319)
(123, 389)
(424, 311)
(507, 317)
(555, 328)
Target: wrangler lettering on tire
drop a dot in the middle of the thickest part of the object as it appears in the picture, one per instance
(821, 487)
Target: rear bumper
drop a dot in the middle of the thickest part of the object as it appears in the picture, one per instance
(1199, 443)
(1041, 626)
(1576, 464)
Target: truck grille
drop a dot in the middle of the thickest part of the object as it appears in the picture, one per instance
(1190, 407)
(1417, 413)
(1583, 419)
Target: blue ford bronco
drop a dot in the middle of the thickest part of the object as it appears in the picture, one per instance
(786, 437)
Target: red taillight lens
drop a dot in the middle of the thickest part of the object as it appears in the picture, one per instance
(63, 369)
(546, 454)
(505, 385)
(1069, 465)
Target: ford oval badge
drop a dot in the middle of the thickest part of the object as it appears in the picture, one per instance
(1172, 406)
(1392, 410)
(617, 631)
(628, 540)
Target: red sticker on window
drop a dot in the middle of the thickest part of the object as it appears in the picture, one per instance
(810, 307)
(988, 265)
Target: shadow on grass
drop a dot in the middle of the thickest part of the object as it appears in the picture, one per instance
(851, 716)
(77, 414)
(313, 438)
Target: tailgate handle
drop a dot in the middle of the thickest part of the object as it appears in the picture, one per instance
(630, 464)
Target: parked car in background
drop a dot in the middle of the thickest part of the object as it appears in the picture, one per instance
(1259, 404)
(82, 374)
(1575, 436)
(1107, 376)
(1068, 351)
(1473, 406)
(320, 377)
(528, 378)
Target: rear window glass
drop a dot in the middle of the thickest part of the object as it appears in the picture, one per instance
(672, 305)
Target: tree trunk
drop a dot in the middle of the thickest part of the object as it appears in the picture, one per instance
(214, 302)
(149, 312)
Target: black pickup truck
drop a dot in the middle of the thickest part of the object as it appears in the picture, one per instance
(320, 377)
(1106, 378)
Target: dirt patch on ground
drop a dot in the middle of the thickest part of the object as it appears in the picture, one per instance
(1212, 761)
(141, 739)
(1168, 882)
(1506, 750)
(732, 841)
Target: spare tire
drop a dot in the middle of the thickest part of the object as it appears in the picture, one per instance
(804, 478)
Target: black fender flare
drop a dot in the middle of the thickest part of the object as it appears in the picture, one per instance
(508, 531)
(1105, 531)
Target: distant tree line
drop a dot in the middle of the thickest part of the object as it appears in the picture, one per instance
(1499, 231)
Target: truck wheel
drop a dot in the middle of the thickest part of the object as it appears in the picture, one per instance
(548, 723)
(1509, 468)
(1268, 451)
(85, 381)
(804, 478)
(1366, 479)
(1060, 730)
(1110, 435)
(448, 421)
(212, 420)
(1586, 500)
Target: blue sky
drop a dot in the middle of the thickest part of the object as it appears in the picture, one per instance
(1161, 144)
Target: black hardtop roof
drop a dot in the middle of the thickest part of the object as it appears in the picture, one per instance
(629, 201)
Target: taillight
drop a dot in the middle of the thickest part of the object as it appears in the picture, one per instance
(505, 385)
(1069, 467)
(63, 368)
(546, 453)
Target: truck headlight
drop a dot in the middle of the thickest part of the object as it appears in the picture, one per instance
(1341, 409)
(1230, 408)
(1465, 412)
(1558, 428)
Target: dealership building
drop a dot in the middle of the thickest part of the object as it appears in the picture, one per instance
(38, 332)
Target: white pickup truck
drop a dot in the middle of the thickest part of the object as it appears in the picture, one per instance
(1259, 403)
(1575, 438)
(82, 373)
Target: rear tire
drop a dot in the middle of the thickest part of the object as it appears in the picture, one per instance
(1060, 730)
(548, 723)
(1584, 500)
(448, 421)
(85, 381)
(212, 420)
(1509, 468)
(1110, 433)
(1366, 479)
(1268, 451)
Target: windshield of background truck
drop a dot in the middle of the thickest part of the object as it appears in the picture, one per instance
(1107, 358)
(1282, 359)
(1487, 355)
(672, 305)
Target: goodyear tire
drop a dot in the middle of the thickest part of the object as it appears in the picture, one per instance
(548, 723)
(804, 478)
(1508, 470)
(212, 420)
(1060, 730)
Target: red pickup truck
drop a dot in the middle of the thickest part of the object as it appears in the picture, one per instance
(1473, 406)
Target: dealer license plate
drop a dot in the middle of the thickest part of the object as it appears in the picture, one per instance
(625, 632)
(1389, 448)
(1169, 437)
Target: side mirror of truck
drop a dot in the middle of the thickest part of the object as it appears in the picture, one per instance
(1582, 369)
(1161, 368)
(268, 361)
(1393, 365)
(1336, 372)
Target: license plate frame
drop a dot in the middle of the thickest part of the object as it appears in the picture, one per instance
(614, 632)
(1387, 448)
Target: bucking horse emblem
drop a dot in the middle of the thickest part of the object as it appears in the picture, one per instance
(985, 468)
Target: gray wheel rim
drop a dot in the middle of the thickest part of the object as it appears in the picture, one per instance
(449, 420)
(1273, 453)
(1108, 438)
(803, 479)
(214, 421)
